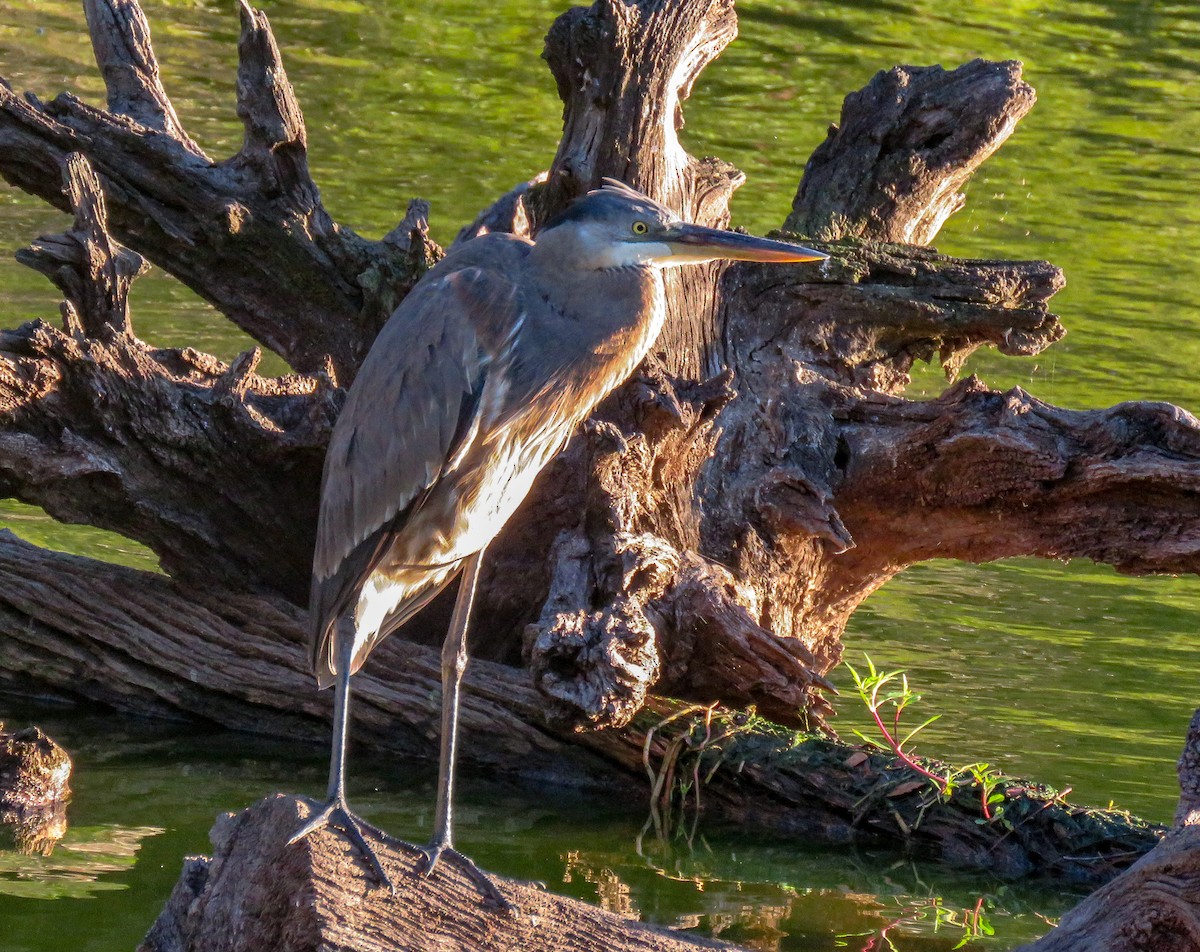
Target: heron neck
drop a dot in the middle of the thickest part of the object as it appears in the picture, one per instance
(600, 323)
(599, 298)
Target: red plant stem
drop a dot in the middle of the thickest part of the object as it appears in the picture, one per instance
(911, 916)
(940, 781)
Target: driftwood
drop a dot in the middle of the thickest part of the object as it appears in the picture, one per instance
(1155, 905)
(35, 775)
(256, 893)
(706, 537)
(233, 661)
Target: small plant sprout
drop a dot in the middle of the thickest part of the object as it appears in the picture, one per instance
(931, 911)
(882, 691)
(887, 695)
(988, 779)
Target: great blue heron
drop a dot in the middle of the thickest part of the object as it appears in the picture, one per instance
(473, 385)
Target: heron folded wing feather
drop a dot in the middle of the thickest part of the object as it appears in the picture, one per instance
(410, 417)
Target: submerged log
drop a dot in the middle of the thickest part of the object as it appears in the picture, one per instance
(35, 775)
(34, 771)
(257, 892)
(237, 660)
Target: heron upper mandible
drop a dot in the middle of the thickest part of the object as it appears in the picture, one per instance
(472, 386)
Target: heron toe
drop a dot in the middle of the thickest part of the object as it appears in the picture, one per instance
(335, 813)
(483, 882)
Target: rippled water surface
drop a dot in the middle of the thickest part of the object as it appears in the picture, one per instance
(1069, 674)
(146, 795)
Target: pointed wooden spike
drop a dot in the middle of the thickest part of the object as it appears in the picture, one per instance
(266, 101)
(121, 41)
(936, 127)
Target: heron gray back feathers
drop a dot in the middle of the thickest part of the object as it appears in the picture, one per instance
(481, 374)
(490, 351)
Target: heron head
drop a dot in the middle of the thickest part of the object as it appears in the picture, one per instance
(616, 226)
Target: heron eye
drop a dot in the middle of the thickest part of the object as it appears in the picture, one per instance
(640, 228)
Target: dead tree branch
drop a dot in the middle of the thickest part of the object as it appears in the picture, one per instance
(907, 143)
(249, 233)
(238, 660)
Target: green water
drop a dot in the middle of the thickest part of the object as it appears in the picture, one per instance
(146, 795)
(1070, 674)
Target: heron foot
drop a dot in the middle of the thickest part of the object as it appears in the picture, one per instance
(491, 895)
(335, 813)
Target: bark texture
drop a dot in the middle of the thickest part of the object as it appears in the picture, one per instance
(34, 770)
(35, 775)
(247, 233)
(706, 536)
(892, 169)
(1155, 905)
(257, 892)
(237, 660)
(208, 464)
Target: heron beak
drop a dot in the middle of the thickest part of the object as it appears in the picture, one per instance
(690, 243)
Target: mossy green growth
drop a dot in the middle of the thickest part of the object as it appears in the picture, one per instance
(694, 752)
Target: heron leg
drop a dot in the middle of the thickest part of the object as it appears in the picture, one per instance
(454, 664)
(335, 812)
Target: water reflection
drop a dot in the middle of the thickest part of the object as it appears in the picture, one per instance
(146, 795)
(775, 898)
(80, 867)
(1068, 673)
(32, 830)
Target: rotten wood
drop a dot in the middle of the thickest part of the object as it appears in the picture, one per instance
(171, 447)
(1154, 906)
(1187, 813)
(258, 892)
(248, 233)
(121, 41)
(92, 271)
(893, 168)
(35, 775)
(202, 491)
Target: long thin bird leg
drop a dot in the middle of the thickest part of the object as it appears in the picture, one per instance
(454, 663)
(335, 812)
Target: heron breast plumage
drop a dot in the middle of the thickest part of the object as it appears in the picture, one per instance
(462, 513)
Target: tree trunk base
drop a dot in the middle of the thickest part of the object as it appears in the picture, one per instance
(1153, 907)
(257, 892)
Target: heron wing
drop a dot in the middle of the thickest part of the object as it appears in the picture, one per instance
(412, 412)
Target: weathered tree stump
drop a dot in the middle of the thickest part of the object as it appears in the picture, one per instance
(35, 775)
(258, 893)
(706, 537)
(1155, 905)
